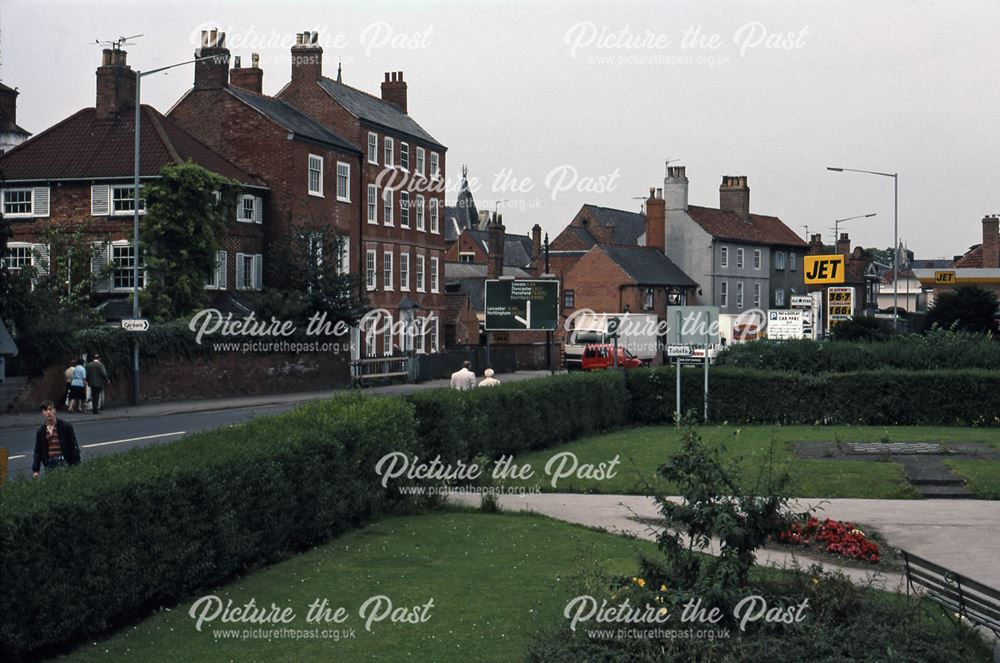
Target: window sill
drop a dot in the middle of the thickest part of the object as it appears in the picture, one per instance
(315, 194)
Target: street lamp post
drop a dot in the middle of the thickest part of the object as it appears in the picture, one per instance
(135, 214)
(895, 235)
(837, 222)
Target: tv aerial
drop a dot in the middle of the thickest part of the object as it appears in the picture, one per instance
(117, 44)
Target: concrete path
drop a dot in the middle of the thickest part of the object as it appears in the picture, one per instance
(963, 536)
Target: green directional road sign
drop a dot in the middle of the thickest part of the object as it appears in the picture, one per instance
(518, 304)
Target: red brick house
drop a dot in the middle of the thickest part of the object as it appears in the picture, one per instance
(402, 185)
(313, 173)
(78, 175)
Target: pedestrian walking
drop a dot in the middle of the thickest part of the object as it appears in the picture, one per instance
(97, 378)
(55, 442)
(68, 375)
(488, 379)
(77, 387)
(463, 379)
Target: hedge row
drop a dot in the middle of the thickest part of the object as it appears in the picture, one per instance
(85, 548)
(937, 350)
(888, 397)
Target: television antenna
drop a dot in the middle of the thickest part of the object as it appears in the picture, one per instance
(117, 44)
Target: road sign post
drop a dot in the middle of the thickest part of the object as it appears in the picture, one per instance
(520, 304)
(135, 324)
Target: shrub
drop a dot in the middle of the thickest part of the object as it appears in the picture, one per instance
(86, 548)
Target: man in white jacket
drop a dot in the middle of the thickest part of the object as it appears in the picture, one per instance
(463, 379)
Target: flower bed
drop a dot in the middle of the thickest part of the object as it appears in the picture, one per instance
(833, 536)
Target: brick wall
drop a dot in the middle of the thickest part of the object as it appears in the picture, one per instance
(229, 374)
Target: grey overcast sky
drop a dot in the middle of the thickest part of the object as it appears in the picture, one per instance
(557, 104)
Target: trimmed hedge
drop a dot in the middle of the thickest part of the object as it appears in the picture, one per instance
(889, 397)
(88, 547)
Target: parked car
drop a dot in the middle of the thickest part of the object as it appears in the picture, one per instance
(599, 357)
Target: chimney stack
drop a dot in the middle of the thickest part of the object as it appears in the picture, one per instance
(656, 220)
(815, 244)
(734, 196)
(115, 85)
(394, 89)
(844, 245)
(495, 243)
(212, 74)
(536, 241)
(675, 188)
(991, 242)
(307, 57)
(250, 79)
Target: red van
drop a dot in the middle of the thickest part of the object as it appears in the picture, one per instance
(601, 357)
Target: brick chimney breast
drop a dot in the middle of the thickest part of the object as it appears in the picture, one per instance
(675, 188)
(734, 196)
(115, 85)
(394, 89)
(656, 218)
(495, 244)
(844, 245)
(991, 242)
(249, 78)
(307, 57)
(212, 73)
(536, 241)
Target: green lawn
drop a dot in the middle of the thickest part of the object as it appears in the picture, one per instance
(496, 580)
(983, 476)
(643, 450)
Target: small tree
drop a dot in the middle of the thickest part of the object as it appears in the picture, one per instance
(186, 212)
(967, 308)
(861, 328)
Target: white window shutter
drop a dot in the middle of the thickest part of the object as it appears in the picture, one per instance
(41, 258)
(40, 201)
(221, 269)
(100, 200)
(98, 264)
(258, 272)
(258, 210)
(241, 277)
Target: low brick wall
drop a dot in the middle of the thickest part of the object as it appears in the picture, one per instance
(230, 374)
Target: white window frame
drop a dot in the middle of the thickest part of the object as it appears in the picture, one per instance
(404, 209)
(373, 204)
(791, 261)
(251, 281)
(30, 202)
(420, 214)
(779, 297)
(419, 164)
(344, 174)
(371, 269)
(241, 212)
(436, 334)
(779, 260)
(756, 259)
(435, 217)
(387, 273)
(648, 299)
(724, 294)
(420, 345)
(219, 277)
(29, 250)
(388, 147)
(404, 272)
(373, 147)
(739, 258)
(112, 202)
(724, 257)
(123, 244)
(419, 268)
(756, 295)
(435, 274)
(342, 244)
(739, 294)
(387, 206)
(314, 161)
(404, 156)
(387, 337)
(435, 166)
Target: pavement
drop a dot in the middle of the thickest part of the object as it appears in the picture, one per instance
(27, 419)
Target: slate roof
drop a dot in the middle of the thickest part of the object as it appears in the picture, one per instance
(84, 147)
(626, 227)
(463, 215)
(298, 123)
(371, 108)
(761, 229)
(516, 248)
(466, 270)
(582, 234)
(647, 266)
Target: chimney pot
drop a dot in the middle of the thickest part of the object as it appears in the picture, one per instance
(298, 38)
(306, 38)
(387, 77)
(213, 37)
(652, 192)
(659, 192)
(115, 85)
(236, 62)
(255, 60)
